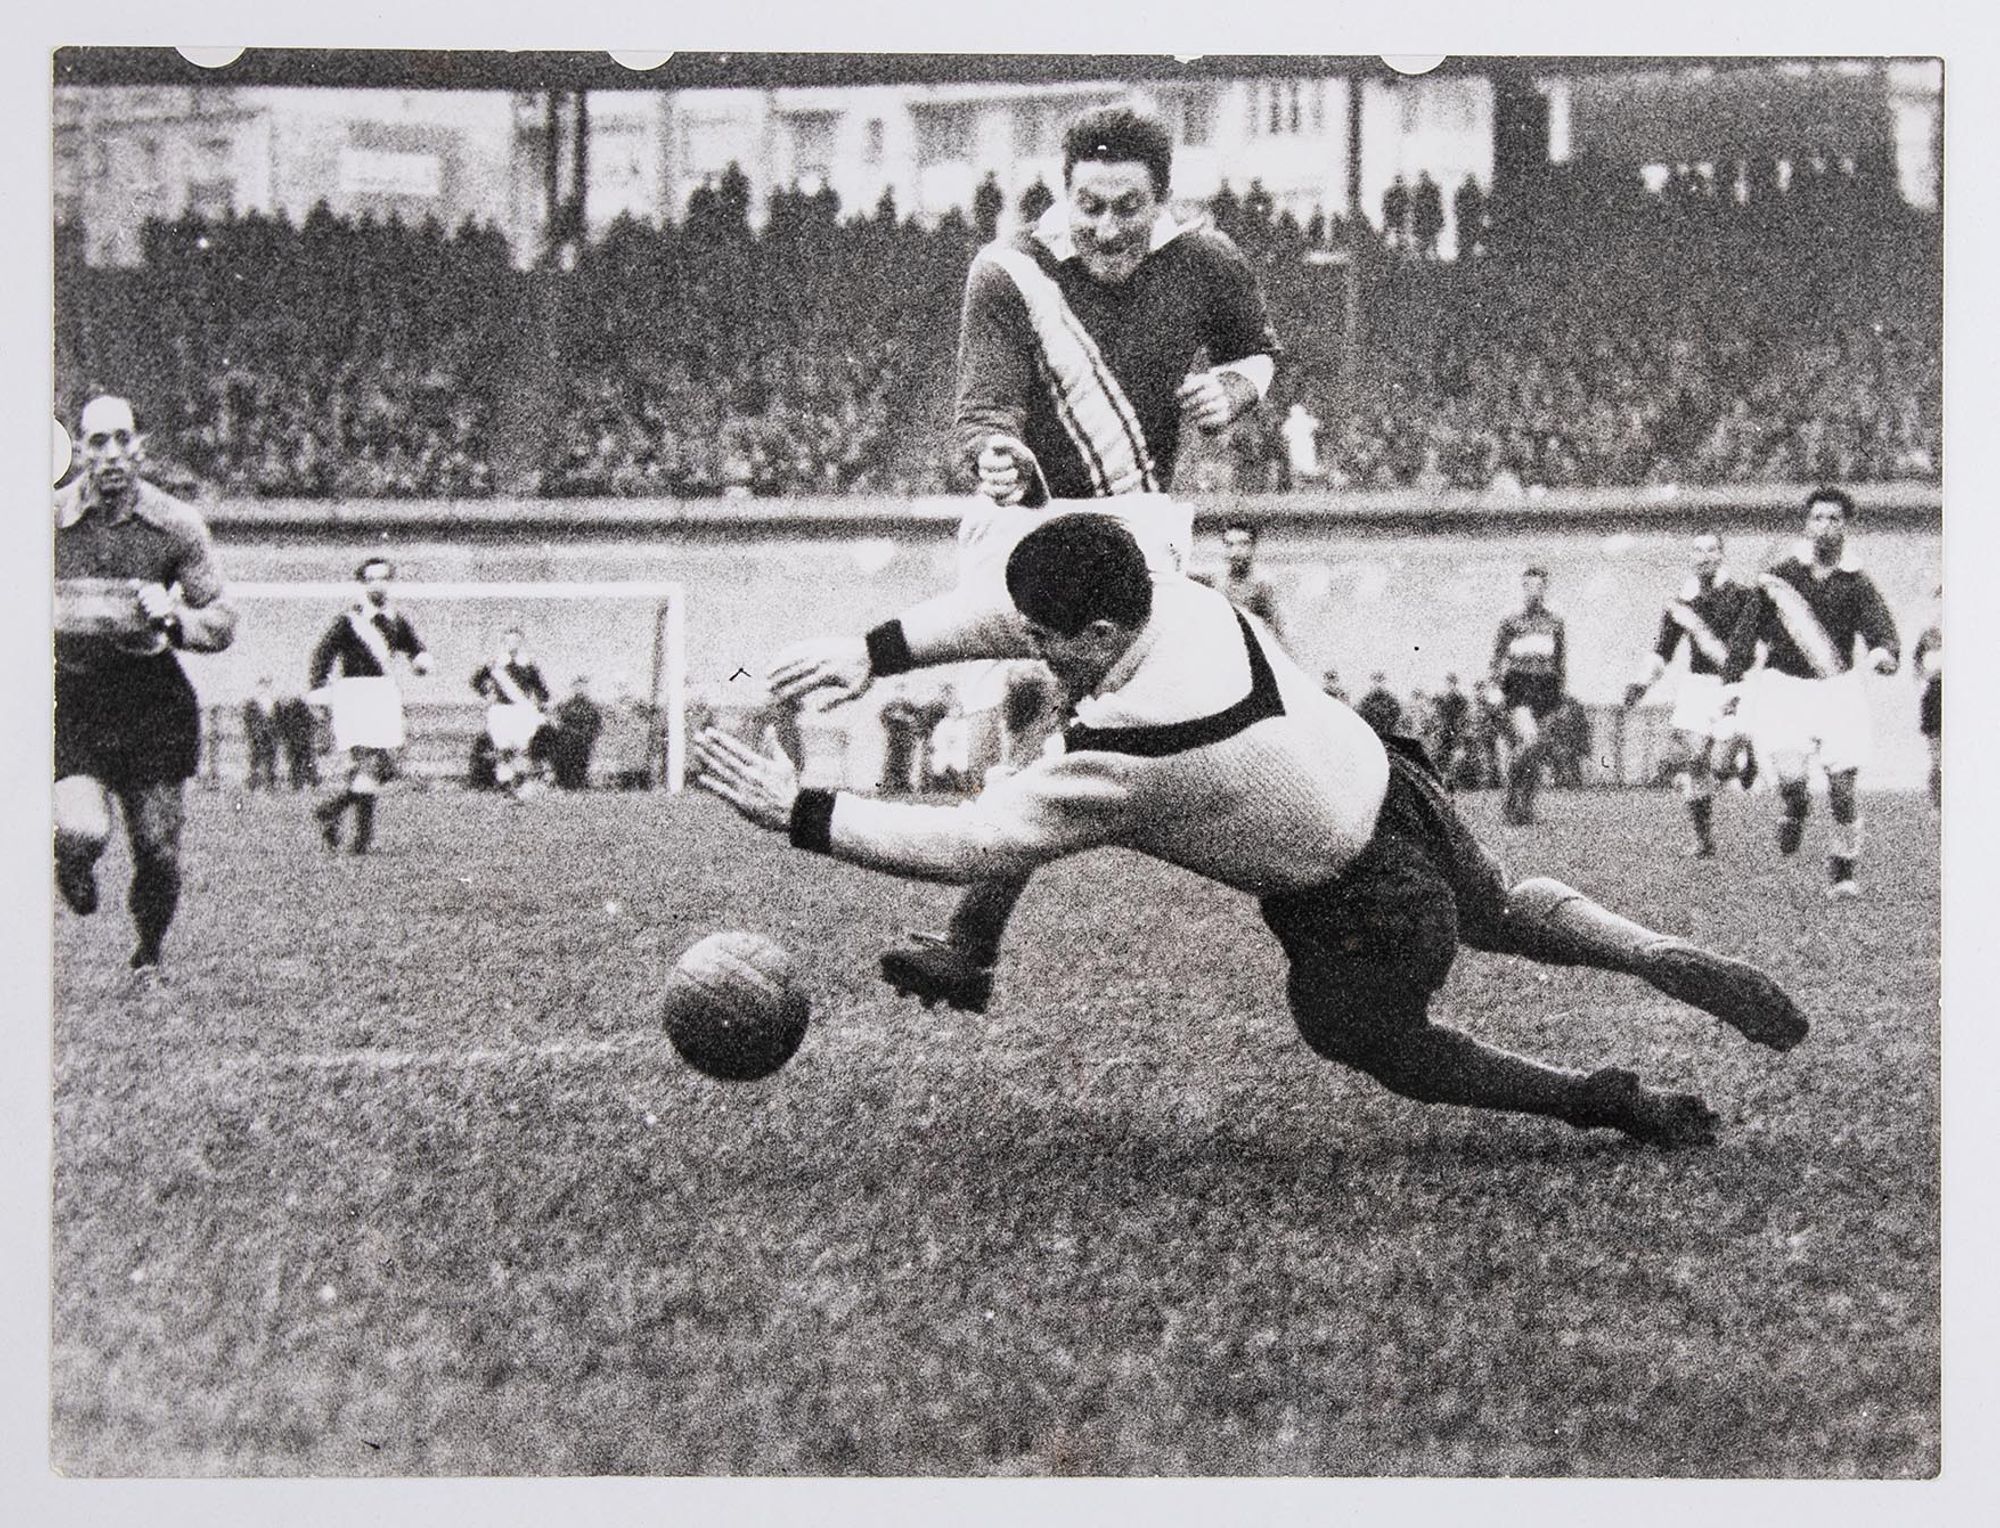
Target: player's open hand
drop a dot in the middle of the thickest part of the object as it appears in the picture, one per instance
(1213, 399)
(1006, 469)
(838, 665)
(762, 786)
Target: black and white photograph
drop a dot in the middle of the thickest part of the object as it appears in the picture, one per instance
(926, 765)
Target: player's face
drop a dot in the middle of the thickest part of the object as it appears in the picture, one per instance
(1080, 662)
(375, 586)
(1111, 213)
(111, 458)
(1826, 528)
(1533, 587)
(1240, 549)
(1707, 556)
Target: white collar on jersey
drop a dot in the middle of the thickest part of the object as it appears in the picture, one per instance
(1692, 588)
(1052, 233)
(1848, 563)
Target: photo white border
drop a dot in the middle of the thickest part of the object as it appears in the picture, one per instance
(1971, 1080)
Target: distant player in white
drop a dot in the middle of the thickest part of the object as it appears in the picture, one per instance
(511, 683)
(1702, 618)
(353, 673)
(1810, 615)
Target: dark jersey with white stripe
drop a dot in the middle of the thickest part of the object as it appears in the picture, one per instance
(524, 676)
(1843, 601)
(1194, 293)
(1716, 607)
(343, 650)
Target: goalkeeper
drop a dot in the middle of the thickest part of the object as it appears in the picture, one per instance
(1197, 741)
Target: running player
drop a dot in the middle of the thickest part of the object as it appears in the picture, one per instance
(1076, 374)
(357, 654)
(515, 693)
(1703, 616)
(1530, 670)
(1241, 583)
(135, 584)
(1807, 615)
(1198, 742)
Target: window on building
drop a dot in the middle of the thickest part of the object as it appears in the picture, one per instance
(1029, 123)
(944, 134)
(1197, 118)
(1293, 92)
(871, 148)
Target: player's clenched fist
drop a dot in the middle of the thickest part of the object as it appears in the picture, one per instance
(1212, 399)
(1006, 468)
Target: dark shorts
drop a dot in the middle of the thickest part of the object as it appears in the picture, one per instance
(1538, 692)
(1402, 905)
(129, 724)
(1930, 710)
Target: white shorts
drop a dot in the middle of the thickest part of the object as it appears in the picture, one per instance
(1823, 717)
(1698, 707)
(511, 727)
(989, 532)
(367, 712)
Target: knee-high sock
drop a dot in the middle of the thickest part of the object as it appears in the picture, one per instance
(1796, 799)
(364, 823)
(156, 893)
(979, 922)
(1845, 810)
(1560, 926)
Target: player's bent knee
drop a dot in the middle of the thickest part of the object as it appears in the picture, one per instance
(82, 815)
(1354, 1016)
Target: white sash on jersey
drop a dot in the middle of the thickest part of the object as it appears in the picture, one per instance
(1093, 408)
(511, 693)
(1802, 626)
(1699, 632)
(371, 637)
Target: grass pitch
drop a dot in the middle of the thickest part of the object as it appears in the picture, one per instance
(398, 1176)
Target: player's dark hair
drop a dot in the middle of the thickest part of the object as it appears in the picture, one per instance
(1076, 569)
(361, 572)
(1535, 570)
(1121, 135)
(1832, 496)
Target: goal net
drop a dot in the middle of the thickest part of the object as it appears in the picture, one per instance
(625, 641)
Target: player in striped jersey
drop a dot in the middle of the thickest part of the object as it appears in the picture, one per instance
(353, 667)
(1808, 614)
(1076, 373)
(1530, 670)
(1198, 742)
(1703, 618)
(515, 693)
(135, 584)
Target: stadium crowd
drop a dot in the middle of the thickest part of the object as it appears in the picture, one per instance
(1769, 326)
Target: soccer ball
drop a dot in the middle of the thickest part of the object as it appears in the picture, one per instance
(732, 1007)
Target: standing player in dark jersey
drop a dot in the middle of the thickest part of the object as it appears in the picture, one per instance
(357, 656)
(512, 686)
(135, 582)
(1808, 613)
(1704, 616)
(1530, 670)
(1076, 373)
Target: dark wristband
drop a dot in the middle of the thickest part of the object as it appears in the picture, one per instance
(889, 650)
(812, 821)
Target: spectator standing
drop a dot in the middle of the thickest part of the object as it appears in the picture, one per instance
(578, 721)
(1426, 216)
(261, 734)
(1379, 707)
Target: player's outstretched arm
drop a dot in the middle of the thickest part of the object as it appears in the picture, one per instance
(762, 787)
(837, 665)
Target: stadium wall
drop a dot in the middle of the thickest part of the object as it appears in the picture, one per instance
(1406, 584)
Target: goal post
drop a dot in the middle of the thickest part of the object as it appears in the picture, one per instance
(628, 636)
